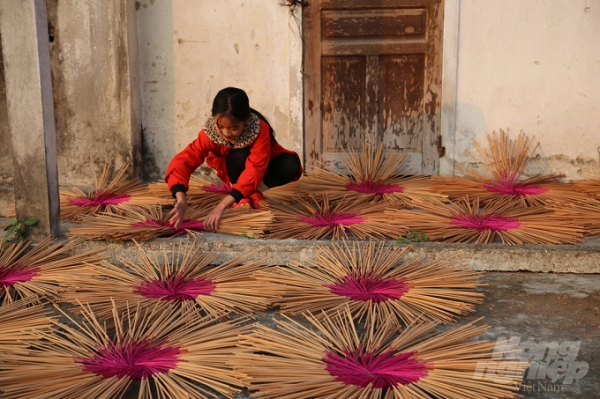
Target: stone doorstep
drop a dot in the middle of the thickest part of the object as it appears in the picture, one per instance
(582, 258)
(482, 257)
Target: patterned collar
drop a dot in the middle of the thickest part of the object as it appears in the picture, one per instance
(247, 137)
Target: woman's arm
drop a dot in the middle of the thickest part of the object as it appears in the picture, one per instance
(211, 222)
(186, 162)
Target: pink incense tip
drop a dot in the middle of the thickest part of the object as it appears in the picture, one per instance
(370, 187)
(383, 371)
(135, 360)
(332, 219)
(485, 222)
(215, 188)
(176, 288)
(160, 224)
(16, 273)
(368, 288)
(509, 186)
(100, 199)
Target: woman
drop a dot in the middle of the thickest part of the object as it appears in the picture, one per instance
(239, 143)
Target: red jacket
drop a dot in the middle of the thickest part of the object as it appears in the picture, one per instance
(262, 150)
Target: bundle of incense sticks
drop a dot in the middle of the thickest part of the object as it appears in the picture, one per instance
(590, 184)
(204, 191)
(331, 360)
(17, 321)
(375, 282)
(27, 271)
(175, 353)
(144, 224)
(208, 191)
(466, 221)
(505, 183)
(320, 218)
(107, 196)
(583, 213)
(372, 175)
(184, 275)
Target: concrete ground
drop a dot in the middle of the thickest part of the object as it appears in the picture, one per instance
(554, 316)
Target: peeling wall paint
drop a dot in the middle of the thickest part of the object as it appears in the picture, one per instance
(6, 166)
(531, 66)
(190, 50)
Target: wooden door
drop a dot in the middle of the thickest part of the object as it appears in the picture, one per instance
(373, 74)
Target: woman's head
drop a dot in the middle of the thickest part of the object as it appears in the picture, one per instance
(231, 111)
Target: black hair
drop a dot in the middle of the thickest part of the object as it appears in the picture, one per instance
(234, 102)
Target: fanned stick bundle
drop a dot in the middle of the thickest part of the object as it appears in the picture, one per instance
(107, 196)
(504, 182)
(584, 213)
(40, 271)
(590, 183)
(204, 191)
(316, 219)
(373, 175)
(179, 354)
(208, 191)
(375, 283)
(17, 321)
(144, 224)
(285, 194)
(465, 221)
(184, 276)
(333, 361)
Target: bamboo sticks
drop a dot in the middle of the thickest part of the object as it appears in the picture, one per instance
(144, 224)
(505, 162)
(184, 275)
(466, 221)
(372, 175)
(107, 196)
(321, 218)
(41, 270)
(375, 280)
(331, 360)
(169, 350)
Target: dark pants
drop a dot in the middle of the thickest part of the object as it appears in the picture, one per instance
(281, 170)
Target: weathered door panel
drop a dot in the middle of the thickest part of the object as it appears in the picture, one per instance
(373, 74)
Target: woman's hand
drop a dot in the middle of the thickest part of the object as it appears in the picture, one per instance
(211, 221)
(178, 211)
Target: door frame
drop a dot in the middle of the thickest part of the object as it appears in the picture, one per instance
(449, 87)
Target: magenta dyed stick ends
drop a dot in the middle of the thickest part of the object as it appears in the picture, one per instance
(369, 288)
(383, 371)
(135, 360)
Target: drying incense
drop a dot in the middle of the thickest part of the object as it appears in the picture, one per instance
(107, 196)
(584, 213)
(177, 354)
(204, 191)
(505, 183)
(376, 282)
(17, 321)
(41, 270)
(331, 360)
(208, 191)
(465, 221)
(321, 218)
(144, 224)
(590, 184)
(372, 175)
(184, 275)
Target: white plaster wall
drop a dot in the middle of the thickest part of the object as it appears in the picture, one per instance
(525, 65)
(251, 44)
